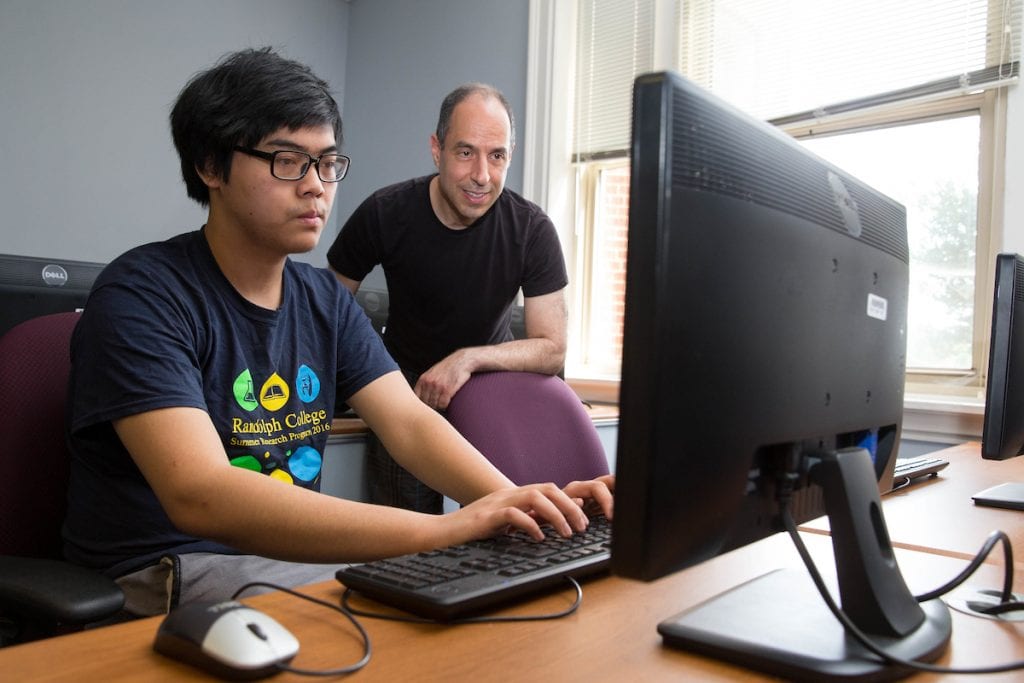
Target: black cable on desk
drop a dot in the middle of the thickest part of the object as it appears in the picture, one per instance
(352, 668)
(986, 549)
(859, 635)
(347, 606)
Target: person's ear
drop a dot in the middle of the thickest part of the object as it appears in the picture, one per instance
(435, 150)
(210, 178)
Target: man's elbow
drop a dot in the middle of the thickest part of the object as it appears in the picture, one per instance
(194, 519)
(193, 511)
(350, 284)
(555, 358)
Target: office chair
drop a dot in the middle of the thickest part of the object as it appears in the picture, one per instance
(40, 594)
(532, 427)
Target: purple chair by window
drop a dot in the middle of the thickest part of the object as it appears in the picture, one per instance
(532, 427)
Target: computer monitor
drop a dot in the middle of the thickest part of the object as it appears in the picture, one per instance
(764, 349)
(31, 286)
(1002, 433)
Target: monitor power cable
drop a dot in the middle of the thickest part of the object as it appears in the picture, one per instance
(863, 638)
(1007, 601)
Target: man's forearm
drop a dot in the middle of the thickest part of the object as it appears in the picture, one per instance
(521, 355)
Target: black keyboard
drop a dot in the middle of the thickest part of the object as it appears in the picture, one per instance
(915, 468)
(465, 579)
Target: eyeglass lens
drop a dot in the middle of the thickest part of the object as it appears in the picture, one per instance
(293, 165)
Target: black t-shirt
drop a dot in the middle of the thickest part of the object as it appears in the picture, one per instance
(448, 289)
(164, 328)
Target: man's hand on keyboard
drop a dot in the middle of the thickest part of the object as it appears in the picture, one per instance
(526, 507)
(594, 495)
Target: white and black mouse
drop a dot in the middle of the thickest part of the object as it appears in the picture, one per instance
(227, 639)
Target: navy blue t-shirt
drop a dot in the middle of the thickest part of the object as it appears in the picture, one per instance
(164, 328)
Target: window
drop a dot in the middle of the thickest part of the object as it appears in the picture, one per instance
(604, 268)
(908, 96)
(936, 178)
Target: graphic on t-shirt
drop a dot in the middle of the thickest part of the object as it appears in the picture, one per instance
(243, 391)
(274, 393)
(280, 439)
(247, 462)
(304, 464)
(281, 475)
(307, 384)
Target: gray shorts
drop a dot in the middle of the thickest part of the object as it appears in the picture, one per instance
(178, 579)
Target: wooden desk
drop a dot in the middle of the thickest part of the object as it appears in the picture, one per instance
(611, 638)
(939, 516)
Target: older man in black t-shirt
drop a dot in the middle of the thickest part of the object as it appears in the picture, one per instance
(456, 247)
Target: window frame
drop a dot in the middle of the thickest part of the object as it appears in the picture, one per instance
(556, 182)
(990, 106)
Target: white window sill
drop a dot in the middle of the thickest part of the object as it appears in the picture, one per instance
(945, 418)
(942, 419)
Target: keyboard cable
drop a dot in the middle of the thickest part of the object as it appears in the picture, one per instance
(346, 604)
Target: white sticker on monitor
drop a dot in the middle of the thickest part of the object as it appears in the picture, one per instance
(878, 307)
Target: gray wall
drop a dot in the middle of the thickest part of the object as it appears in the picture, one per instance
(85, 90)
(86, 87)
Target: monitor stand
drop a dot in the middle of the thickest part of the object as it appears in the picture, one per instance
(778, 622)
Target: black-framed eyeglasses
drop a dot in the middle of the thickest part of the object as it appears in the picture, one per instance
(293, 165)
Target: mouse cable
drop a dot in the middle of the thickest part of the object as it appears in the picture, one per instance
(352, 668)
(861, 637)
(347, 605)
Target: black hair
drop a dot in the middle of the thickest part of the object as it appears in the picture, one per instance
(456, 96)
(246, 96)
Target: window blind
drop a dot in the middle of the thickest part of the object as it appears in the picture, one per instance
(790, 60)
(615, 43)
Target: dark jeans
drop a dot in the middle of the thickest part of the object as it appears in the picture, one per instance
(391, 484)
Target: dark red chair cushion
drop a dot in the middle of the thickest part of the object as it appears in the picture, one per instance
(34, 366)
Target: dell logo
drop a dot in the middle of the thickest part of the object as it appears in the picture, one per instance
(846, 204)
(54, 275)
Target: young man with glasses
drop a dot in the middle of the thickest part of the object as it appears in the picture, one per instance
(204, 371)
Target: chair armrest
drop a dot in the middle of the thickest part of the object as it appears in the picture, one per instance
(56, 592)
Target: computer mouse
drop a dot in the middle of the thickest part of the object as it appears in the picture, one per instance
(227, 639)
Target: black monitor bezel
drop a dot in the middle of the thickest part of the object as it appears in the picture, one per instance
(1003, 423)
(31, 286)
